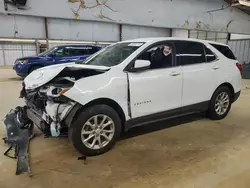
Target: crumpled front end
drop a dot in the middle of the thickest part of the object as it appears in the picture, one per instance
(43, 91)
(47, 107)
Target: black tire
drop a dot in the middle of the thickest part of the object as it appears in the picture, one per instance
(212, 109)
(79, 121)
(34, 68)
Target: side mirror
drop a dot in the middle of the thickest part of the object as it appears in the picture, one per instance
(141, 65)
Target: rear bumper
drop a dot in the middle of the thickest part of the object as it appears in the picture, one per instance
(236, 96)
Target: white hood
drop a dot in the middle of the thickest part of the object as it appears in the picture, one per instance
(43, 75)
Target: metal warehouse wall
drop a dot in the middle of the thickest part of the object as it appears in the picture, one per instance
(76, 30)
(241, 49)
(186, 14)
(82, 30)
(132, 32)
(21, 27)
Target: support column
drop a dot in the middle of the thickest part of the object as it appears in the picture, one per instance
(46, 32)
(120, 32)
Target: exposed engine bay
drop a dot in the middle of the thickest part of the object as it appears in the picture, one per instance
(46, 108)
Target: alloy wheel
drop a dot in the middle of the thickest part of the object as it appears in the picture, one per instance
(222, 103)
(98, 131)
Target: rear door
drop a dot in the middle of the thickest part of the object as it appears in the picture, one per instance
(63, 55)
(198, 82)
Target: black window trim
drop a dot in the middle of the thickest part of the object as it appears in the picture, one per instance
(216, 56)
(130, 65)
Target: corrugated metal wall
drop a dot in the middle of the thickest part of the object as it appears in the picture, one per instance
(97, 31)
(241, 49)
(9, 52)
(132, 32)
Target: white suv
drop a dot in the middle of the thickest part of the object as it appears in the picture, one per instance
(128, 84)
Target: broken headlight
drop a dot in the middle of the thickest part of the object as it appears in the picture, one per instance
(52, 91)
(57, 92)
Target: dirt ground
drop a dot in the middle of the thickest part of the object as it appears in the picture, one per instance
(190, 152)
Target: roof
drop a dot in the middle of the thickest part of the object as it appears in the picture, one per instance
(158, 39)
(77, 45)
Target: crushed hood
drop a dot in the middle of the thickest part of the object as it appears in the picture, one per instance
(44, 75)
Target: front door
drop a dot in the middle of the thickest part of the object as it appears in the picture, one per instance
(159, 88)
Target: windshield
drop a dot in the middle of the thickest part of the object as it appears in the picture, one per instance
(114, 54)
(47, 51)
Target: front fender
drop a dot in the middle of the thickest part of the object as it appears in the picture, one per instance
(107, 85)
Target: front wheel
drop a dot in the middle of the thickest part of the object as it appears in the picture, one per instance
(220, 103)
(95, 130)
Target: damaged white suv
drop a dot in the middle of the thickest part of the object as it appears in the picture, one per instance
(128, 84)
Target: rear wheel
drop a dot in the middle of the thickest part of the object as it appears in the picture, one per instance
(220, 103)
(95, 130)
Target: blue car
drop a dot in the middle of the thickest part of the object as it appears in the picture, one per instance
(57, 55)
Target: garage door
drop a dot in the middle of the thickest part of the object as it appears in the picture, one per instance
(133, 32)
(209, 35)
(9, 52)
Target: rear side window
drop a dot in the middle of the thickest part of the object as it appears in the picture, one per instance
(77, 51)
(209, 55)
(190, 53)
(225, 50)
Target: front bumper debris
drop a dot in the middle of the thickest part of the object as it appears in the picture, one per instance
(19, 131)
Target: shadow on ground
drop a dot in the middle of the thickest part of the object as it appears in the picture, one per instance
(157, 126)
(13, 79)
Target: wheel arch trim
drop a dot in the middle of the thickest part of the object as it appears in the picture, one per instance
(109, 102)
(225, 84)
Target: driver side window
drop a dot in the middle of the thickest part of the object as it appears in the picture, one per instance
(160, 56)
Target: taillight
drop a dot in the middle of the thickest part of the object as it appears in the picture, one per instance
(239, 66)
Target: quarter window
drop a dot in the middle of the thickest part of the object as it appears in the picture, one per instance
(225, 50)
(190, 52)
(77, 51)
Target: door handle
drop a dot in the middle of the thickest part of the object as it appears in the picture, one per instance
(216, 67)
(175, 74)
